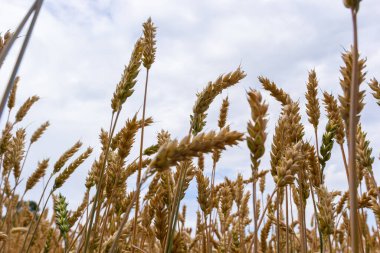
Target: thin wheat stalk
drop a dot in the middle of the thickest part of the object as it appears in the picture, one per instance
(256, 144)
(73, 241)
(84, 229)
(99, 190)
(216, 156)
(36, 7)
(5, 50)
(94, 204)
(76, 237)
(128, 210)
(58, 165)
(316, 217)
(59, 180)
(291, 216)
(174, 211)
(140, 161)
(264, 213)
(37, 223)
(104, 224)
(287, 219)
(124, 89)
(330, 245)
(148, 60)
(35, 215)
(354, 93)
(344, 158)
(278, 223)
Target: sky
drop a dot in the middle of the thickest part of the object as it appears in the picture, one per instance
(79, 48)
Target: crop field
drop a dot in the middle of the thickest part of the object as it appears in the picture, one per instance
(139, 203)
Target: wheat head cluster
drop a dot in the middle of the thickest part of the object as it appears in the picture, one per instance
(234, 215)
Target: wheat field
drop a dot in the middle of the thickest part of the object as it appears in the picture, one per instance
(235, 215)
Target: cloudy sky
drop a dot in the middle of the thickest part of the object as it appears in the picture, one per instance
(79, 49)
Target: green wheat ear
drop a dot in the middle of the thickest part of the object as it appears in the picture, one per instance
(61, 215)
(327, 144)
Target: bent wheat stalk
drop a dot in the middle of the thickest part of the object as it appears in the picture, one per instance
(36, 7)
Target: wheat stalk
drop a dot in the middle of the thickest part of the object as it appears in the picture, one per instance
(353, 120)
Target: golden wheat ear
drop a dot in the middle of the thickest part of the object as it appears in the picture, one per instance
(37, 174)
(375, 87)
(207, 96)
(124, 88)
(174, 151)
(345, 83)
(278, 93)
(312, 105)
(12, 95)
(66, 156)
(65, 174)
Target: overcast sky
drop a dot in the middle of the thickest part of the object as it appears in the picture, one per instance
(79, 49)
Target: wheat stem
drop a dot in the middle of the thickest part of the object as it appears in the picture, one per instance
(140, 161)
(255, 238)
(128, 210)
(287, 219)
(354, 221)
(263, 214)
(35, 215)
(92, 213)
(104, 224)
(38, 222)
(174, 211)
(345, 161)
(316, 218)
(14, 189)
